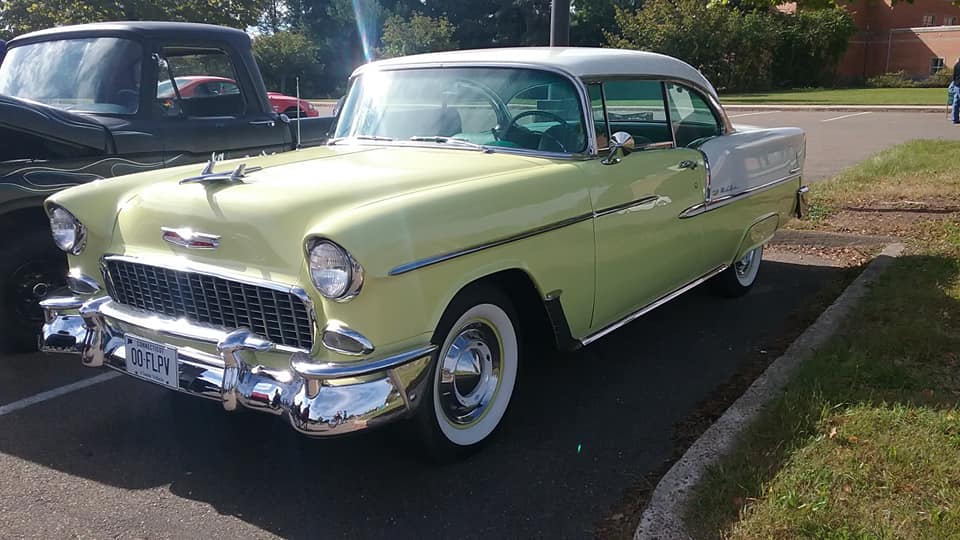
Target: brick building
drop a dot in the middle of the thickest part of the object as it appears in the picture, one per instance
(918, 38)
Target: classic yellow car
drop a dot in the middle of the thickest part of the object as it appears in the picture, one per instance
(465, 199)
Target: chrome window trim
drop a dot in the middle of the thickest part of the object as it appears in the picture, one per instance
(183, 265)
(712, 101)
(589, 152)
(616, 325)
(707, 206)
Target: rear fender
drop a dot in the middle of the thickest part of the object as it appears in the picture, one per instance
(759, 233)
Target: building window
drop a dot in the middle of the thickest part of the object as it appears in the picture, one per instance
(927, 20)
(936, 64)
(950, 20)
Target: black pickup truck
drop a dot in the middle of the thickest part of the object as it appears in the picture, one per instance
(88, 102)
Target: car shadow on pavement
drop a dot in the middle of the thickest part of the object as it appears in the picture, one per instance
(583, 428)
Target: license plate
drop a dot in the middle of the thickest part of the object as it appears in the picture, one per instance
(152, 361)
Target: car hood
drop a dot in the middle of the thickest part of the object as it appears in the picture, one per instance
(263, 220)
(48, 123)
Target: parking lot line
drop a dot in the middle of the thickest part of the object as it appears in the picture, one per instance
(750, 114)
(56, 392)
(846, 116)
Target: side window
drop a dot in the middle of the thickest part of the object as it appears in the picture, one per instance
(637, 107)
(691, 116)
(599, 116)
(204, 79)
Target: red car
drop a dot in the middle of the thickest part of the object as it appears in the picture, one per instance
(204, 86)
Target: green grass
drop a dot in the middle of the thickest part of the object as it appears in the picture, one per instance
(865, 441)
(851, 96)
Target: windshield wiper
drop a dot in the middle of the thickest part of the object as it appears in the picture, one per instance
(360, 138)
(446, 140)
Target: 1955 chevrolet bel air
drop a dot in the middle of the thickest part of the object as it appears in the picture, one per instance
(465, 199)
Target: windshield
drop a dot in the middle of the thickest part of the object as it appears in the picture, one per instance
(100, 75)
(505, 107)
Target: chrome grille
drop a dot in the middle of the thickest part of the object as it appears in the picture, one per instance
(279, 316)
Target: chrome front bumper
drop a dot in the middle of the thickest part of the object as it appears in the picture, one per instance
(317, 399)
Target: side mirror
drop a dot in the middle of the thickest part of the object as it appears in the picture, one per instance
(621, 144)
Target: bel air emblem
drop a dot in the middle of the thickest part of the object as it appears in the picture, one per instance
(189, 239)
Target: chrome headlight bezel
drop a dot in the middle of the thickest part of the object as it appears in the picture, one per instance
(353, 281)
(78, 240)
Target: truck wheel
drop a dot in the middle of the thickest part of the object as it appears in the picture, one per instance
(740, 277)
(473, 375)
(29, 266)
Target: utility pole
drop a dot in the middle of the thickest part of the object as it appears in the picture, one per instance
(559, 23)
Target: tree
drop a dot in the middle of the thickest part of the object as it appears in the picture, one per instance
(740, 50)
(21, 16)
(283, 56)
(416, 34)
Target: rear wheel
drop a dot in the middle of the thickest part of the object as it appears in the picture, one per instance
(30, 267)
(740, 277)
(473, 376)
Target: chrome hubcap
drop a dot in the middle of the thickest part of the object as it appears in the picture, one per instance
(470, 374)
(743, 265)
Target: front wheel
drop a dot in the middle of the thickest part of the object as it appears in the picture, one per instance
(740, 277)
(30, 267)
(473, 375)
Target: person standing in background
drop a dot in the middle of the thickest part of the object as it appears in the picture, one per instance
(956, 94)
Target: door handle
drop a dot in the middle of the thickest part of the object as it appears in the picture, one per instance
(268, 123)
(688, 164)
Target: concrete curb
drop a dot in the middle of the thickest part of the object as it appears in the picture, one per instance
(787, 107)
(663, 517)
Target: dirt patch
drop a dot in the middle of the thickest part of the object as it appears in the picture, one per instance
(843, 257)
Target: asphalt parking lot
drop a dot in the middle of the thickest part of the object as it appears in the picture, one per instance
(839, 139)
(127, 459)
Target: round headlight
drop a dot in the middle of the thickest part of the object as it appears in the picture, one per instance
(333, 271)
(68, 233)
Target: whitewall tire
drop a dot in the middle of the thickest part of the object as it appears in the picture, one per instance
(474, 373)
(742, 274)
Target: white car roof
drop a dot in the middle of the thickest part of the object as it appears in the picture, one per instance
(581, 62)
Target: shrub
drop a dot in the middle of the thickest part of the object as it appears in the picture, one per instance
(895, 79)
(940, 79)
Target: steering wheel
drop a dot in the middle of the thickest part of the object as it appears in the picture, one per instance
(538, 112)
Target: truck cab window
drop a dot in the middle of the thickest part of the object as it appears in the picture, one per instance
(203, 80)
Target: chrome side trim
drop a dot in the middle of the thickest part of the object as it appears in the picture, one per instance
(305, 367)
(650, 307)
(428, 261)
(700, 208)
(627, 205)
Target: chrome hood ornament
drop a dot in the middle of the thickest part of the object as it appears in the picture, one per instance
(235, 176)
(189, 239)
